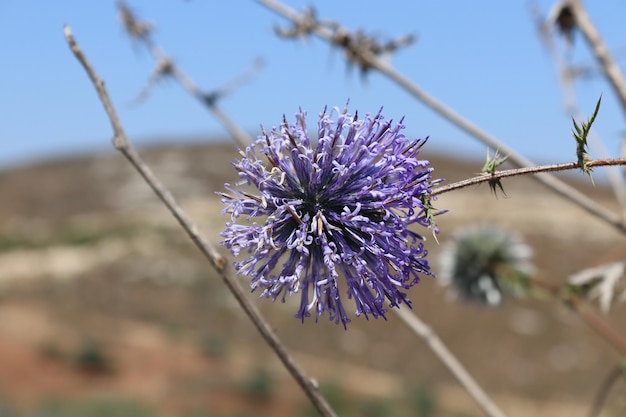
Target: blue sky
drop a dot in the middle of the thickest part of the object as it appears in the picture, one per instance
(482, 59)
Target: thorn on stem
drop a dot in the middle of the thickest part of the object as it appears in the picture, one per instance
(490, 168)
(580, 133)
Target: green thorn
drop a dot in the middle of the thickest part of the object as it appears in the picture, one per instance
(580, 133)
(490, 168)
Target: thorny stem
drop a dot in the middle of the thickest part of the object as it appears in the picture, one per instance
(122, 144)
(613, 74)
(337, 37)
(587, 315)
(565, 78)
(487, 177)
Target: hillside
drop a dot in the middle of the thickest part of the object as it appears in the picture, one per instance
(103, 296)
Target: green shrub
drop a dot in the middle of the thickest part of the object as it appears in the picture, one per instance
(91, 358)
(260, 385)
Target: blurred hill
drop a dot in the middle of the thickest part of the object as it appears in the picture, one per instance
(103, 298)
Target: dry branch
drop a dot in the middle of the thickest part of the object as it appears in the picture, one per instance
(339, 36)
(122, 144)
(566, 76)
(165, 66)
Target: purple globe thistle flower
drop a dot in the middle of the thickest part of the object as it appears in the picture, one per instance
(339, 206)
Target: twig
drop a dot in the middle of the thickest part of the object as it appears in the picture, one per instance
(166, 66)
(524, 171)
(597, 324)
(591, 319)
(122, 144)
(450, 361)
(338, 38)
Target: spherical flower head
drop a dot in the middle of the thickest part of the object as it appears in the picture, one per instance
(332, 216)
(482, 262)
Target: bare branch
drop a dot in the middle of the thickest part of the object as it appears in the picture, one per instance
(218, 262)
(558, 186)
(212, 97)
(167, 67)
(435, 344)
(307, 23)
(162, 69)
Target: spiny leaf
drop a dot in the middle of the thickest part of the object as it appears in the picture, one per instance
(580, 133)
(490, 168)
